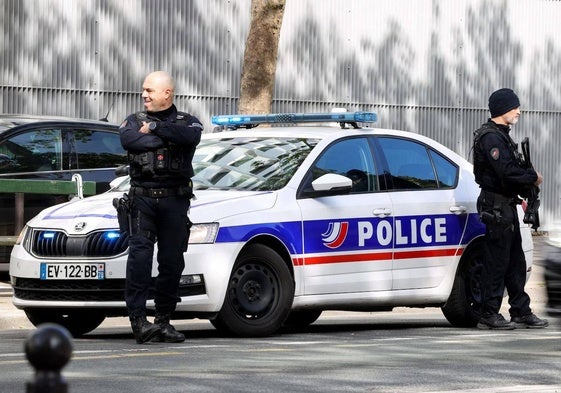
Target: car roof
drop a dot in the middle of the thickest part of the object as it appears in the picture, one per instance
(327, 133)
(314, 132)
(319, 132)
(326, 126)
(9, 121)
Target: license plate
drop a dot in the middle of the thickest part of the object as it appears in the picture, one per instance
(72, 271)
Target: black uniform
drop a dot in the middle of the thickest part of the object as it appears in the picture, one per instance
(161, 171)
(499, 171)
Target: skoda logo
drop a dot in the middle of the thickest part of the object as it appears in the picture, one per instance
(79, 226)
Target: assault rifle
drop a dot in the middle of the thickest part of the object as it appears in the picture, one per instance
(531, 216)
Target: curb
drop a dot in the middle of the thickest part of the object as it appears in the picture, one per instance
(5, 288)
(11, 317)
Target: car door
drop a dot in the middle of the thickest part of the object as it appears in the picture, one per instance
(37, 152)
(32, 153)
(95, 153)
(429, 214)
(347, 238)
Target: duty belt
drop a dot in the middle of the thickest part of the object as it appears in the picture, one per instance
(501, 199)
(160, 192)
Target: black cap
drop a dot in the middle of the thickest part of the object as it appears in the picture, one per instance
(503, 101)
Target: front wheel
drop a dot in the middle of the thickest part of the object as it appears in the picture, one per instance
(462, 307)
(259, 294)
(302, 318)
(77, 322)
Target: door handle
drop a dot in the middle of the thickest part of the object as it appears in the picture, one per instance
(382, 212)
(458, 210)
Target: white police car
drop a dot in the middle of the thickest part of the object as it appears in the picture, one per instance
(552, 271)
(288, 222)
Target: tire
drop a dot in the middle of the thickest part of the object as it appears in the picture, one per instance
(77, 322)
(462, 307)
(259, 294)
(302, 318)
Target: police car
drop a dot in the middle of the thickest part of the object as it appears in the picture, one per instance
(289, 221)
(552, 271)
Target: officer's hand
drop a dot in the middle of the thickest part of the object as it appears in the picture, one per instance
(144, 129)
(540, 179)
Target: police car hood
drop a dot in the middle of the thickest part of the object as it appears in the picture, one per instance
(97, 212)
(80, 216)
(213, 205)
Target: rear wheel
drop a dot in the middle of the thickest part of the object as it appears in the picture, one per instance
(462, 307)
(77, 322)
(259, 294)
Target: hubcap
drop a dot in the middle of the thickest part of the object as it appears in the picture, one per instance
(253, 289)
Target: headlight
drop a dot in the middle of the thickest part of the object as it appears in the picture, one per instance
(22, 235)
(203, 233)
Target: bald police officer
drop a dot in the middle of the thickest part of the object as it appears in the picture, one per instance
(160, 142)
(499, 171)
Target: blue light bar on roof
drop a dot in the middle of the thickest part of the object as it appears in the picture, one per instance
(252, 120)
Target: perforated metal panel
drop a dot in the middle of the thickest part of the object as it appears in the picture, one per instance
(425, 65)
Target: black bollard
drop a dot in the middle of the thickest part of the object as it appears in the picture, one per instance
(48, 350)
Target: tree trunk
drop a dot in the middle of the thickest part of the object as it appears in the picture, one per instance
(260, 56)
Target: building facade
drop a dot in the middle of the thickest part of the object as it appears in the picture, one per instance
(426, 66)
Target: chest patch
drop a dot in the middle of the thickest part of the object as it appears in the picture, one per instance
(495, 153)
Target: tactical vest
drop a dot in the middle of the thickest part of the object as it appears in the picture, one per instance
(167, 162)
(480, 157)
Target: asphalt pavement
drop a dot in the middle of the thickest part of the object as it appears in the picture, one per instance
(12, 318)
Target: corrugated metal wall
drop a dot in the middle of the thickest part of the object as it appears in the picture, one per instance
(425, 65)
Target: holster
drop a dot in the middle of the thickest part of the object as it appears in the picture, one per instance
(490, 206)
(123, 207)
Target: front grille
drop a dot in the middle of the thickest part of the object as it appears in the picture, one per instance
(69, 290)
(49, 244)
(101, 244)
(53, 243)
(86, 290)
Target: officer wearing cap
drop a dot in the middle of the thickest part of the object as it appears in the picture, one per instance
(500, 173)
(160, 142)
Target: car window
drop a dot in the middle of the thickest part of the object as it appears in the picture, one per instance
(247, 163)
(97, 149)
(33, 151)
(351, 158)
(447, 172)
(409, 164)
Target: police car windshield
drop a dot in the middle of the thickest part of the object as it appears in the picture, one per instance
(120, 184)
(248, 163)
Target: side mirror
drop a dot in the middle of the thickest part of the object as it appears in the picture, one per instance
(330, 184)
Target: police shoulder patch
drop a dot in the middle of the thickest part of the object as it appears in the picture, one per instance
(495, 153)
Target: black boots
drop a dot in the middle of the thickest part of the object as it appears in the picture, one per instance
(168, 333)
(495, 322)
(159, 331)
(529, 321)
(143, 330)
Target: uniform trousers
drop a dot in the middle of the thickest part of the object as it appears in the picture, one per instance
(504, 265)
(163, 220)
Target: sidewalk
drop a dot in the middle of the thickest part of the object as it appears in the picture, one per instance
(12, 318)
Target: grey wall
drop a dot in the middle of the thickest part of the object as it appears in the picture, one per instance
(426, 66)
